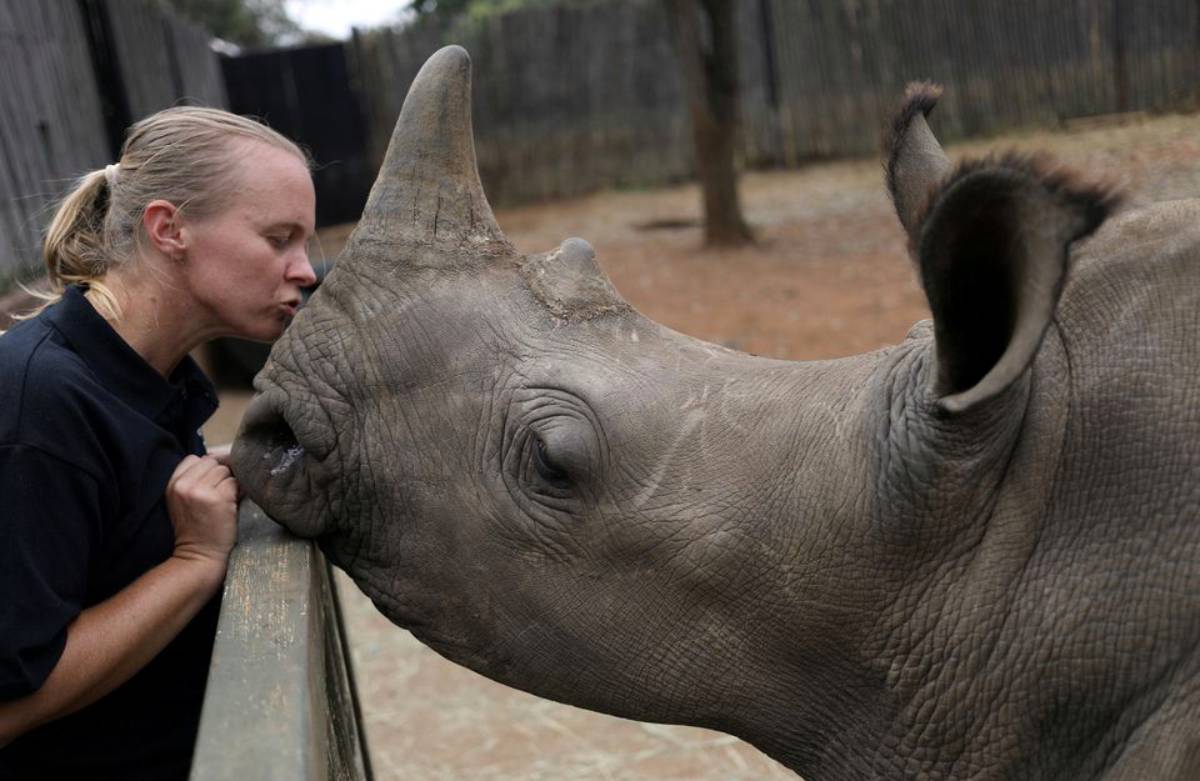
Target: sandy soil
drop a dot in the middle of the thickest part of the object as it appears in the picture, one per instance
(828, 277)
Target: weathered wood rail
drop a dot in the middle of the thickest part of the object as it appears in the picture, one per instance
(280, 704)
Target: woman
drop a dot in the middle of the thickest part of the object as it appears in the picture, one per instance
(116, 526)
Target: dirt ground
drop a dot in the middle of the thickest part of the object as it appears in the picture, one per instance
(829, 277)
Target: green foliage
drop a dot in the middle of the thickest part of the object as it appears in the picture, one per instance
(441, 7)
(479, 9)
(251, 24)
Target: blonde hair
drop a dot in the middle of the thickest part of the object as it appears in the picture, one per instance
(181, 155)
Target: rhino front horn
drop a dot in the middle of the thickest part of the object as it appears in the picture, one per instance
(428, 198)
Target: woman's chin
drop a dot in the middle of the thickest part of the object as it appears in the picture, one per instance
(266, 331)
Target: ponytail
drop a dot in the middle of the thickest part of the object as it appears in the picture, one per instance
(75, 252)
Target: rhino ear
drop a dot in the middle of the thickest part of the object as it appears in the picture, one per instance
(915, 160)
(992, 247)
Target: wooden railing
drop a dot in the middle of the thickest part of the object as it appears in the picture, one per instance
(280, 702)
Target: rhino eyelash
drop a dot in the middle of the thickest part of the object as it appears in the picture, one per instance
(540, 474)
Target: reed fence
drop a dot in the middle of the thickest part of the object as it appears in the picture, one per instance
(576, 98)
(572, 99)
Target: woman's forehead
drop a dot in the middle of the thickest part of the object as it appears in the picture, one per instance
(273, 184)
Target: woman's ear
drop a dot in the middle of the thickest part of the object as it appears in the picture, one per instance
(164, 229)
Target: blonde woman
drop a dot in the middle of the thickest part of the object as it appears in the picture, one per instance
(116, 525)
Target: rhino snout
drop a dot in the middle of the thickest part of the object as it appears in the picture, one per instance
(273, 465)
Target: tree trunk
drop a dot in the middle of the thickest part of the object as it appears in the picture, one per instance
(706, 42)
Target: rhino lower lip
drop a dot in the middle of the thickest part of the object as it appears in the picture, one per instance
(285, 461)
(267, 435)
(275, 468)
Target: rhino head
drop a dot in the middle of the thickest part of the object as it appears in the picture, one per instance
(917, 561)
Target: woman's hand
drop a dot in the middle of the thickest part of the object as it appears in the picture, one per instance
(202, 502)
(110, 641)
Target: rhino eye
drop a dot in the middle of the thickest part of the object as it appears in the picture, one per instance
(552, 451)
(545, 467)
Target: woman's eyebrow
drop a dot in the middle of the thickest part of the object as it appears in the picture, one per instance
(290, 225)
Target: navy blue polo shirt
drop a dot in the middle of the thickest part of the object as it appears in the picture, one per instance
(89, 436)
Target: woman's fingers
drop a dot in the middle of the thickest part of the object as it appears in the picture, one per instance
(216, 475)
(230, 485)
(201, 500)
(221, 452)
(182, 471)
(199, 471)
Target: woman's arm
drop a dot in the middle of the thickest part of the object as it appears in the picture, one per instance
(109, 642)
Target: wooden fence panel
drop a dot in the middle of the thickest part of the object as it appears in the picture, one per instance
(565, 100)
(163, 60)
(577, 116)
(384, 63)
(201, 81)
(143, 56)
(51, 125)
(1163, 54)
(55, 111)
(758, 83)
(569, 100)
(844, 64)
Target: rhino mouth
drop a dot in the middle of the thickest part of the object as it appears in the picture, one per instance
(274, 467)
(267, 428)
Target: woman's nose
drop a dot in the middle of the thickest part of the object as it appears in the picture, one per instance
(301, 271)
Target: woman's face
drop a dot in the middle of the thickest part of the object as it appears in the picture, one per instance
(245, 264)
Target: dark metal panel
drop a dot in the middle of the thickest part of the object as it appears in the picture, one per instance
(306, 94)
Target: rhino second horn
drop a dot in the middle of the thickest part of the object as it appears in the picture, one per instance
(428, 194)
(571, 284)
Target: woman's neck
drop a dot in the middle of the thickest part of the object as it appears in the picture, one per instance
(155, 318)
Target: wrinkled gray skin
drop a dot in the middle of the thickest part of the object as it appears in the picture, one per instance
(973, 554)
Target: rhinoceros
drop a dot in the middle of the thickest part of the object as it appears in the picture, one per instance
(974, 554)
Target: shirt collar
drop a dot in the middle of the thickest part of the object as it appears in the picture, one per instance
(124, 372)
